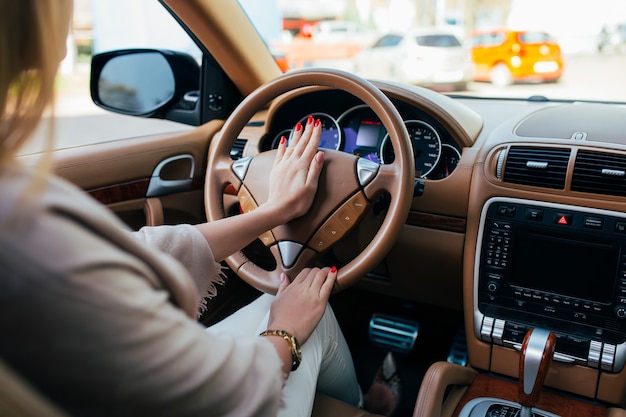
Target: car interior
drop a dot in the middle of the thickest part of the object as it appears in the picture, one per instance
(482, 241)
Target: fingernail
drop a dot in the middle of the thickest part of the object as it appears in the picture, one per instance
(282, 276)
(283, 140)
(317, 122)
(333, 269)
(309, 120)
(298, 127)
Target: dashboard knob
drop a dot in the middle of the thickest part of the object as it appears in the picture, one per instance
(620, 312)
(493, 286)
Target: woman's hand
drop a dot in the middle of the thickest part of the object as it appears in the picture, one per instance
(292, 187)
(300, 304)
(295, 174)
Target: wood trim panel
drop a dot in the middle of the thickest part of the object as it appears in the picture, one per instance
(132, 190)
(488, 386)
(434, 221)
(117, 193)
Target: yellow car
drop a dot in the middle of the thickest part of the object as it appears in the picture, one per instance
(504, 57)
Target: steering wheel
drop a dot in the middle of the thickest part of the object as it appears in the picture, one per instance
(347, 187)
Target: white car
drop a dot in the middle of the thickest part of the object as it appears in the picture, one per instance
(428, 57)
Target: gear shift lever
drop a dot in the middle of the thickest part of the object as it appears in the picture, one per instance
(537, 351)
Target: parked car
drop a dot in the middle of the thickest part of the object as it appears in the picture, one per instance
(504, 56)
(427, 57)
(485, 227)
(612, 37)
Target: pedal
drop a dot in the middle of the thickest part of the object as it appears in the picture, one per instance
(393, 333)
(458, 350)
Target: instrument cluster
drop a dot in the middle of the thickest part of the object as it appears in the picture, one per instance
(359, 131)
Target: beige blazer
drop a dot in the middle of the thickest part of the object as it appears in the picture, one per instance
(102, 320)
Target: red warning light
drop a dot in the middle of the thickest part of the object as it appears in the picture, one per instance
(562, 220)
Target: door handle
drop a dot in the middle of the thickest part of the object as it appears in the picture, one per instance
(172, 175)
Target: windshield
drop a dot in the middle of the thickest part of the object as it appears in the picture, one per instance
(558, 49)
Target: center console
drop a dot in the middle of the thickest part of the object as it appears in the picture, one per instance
(557, 267)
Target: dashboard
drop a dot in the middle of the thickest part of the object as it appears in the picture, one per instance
(487, 164)
(354, 128)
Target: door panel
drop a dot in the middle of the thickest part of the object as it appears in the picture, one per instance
(118, 174)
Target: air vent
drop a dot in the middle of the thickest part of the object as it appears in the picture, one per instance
(541, 167)
(237, 150)
(600, 173)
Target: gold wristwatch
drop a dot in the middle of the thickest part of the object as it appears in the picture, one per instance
(294, 346)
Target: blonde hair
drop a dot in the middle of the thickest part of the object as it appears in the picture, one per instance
(32, 43)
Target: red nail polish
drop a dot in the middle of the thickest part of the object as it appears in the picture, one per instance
(283, 140)
(309, 120)
(298, 127)
(333, 269)
(317, 122)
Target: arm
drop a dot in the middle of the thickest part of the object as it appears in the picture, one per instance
(293, 183)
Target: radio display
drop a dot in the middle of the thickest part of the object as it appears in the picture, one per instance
(571, 268)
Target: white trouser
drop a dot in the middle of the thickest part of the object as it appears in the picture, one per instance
(326, 361)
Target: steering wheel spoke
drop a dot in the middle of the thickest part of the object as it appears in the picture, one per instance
(385, 180)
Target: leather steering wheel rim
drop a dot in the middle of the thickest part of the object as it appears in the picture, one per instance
(396, 179)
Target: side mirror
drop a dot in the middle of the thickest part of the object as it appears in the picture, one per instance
(147, 83)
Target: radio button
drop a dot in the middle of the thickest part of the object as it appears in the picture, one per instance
(534, 214)
(593, 223)
(620, 227)
(620, 312)
(508, 211)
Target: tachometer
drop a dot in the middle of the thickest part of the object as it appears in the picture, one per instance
(426, 147)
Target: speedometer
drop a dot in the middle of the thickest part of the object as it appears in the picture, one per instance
(426, 147)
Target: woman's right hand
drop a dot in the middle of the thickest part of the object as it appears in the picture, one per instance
(300, 304)
(295, 174)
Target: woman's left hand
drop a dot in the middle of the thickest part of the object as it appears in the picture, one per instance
(300, 304)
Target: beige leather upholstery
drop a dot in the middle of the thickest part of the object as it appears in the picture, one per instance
(438, 378)
(325, 406)
(616, 412)
(19, 399)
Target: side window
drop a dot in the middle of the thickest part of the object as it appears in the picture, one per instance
(98, 26)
